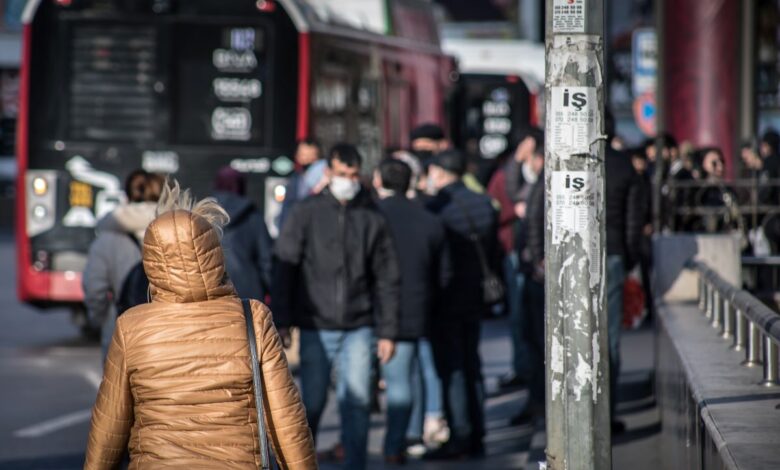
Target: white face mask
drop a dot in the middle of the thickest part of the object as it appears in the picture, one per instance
(344, 189)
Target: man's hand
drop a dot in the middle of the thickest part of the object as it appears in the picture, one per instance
(385, 348)
(284, 334)
(520, 210)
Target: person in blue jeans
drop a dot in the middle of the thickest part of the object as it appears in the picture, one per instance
(427, 426)
(337, 279)
(424, 265)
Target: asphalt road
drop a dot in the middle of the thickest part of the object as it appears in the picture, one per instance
(49, 378)
(48, 381)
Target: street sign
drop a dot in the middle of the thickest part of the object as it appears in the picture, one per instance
(644, 61)
(644, 113)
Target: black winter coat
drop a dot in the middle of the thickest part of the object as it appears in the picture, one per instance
(625, 203)
(424, 261)
(456, 205)
(336, 267)
(247, 247)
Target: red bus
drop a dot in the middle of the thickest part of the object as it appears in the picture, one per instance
(186, 87)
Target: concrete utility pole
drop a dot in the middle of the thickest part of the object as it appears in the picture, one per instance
(577, 355)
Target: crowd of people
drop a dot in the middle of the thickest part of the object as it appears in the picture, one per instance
(386, 276)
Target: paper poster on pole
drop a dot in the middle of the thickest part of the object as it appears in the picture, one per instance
(568, 16)
(574, 120)
(574, 196)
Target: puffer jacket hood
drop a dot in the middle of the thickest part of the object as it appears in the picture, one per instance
(183, 260)
(131, 218)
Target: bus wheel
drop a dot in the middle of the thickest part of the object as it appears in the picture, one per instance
(89, 330)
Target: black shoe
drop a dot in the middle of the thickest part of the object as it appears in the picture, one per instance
(511, 381)
(449, 451)
(477, 450)
(618, 427)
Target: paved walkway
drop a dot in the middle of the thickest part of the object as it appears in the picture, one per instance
(522, 447)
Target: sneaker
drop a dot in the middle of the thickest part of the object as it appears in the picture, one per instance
(416, 449)
(449, 451)
(435, 432)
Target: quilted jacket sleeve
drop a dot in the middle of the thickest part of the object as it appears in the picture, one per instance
(112, 415)
(285, 415)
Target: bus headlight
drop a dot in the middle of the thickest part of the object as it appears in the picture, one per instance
(39, 212)
(41, 203)
(40, 186)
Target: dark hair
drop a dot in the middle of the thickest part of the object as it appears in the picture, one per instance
(426, 131)
(345, 153)
(308, 141)
(772, 139)
(637, 152)
(230, 180)
(450, 160)
(142, 186)
(668, 140)
(134, 185)
(396, 175)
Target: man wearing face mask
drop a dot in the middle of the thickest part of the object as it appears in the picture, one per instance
(338, 280)
(470, 224)
(426, 140)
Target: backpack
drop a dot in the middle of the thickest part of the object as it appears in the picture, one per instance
(134, 289)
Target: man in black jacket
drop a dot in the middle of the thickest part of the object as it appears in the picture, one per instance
(469, 219)
(338, 280)
(625, 222)
(425, 270)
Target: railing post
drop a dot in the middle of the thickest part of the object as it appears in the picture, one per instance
(753, 351)
(740, 338)
(709, 291)
(702, 293)
(728, 319)
(771, 372)
(716, 308)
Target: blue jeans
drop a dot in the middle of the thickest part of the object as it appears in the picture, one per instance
(426, 390)
(515, 284)
(616, 277)
(351, 352)
(398, 377)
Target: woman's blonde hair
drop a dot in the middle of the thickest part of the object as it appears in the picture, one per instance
(173, 198)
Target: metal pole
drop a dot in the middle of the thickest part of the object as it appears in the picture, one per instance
(716, 309)
(702, 293)
(577, 353)
(740, 338)
(753, 351)
(771, 371)
(728, 319)
(710, 293)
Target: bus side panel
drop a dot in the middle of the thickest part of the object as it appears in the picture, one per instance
(23, 268)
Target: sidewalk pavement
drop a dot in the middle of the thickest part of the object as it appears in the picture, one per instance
(523, 447)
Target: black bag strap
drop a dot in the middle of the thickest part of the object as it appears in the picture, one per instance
(475, 239)
(258, 385)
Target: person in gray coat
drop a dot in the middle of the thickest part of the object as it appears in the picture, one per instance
(117, 250)
(246, 242)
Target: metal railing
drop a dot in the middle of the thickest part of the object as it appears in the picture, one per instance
(738, 316)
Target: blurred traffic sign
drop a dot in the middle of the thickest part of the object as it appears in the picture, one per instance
(644, 61)
(644, 113)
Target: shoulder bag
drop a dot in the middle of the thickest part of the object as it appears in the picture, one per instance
(265, 463)
(492, 286)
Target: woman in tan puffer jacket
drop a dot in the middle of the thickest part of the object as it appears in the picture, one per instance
(177, 387)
